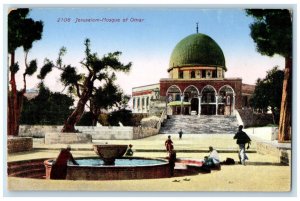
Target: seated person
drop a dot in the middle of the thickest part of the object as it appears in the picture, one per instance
(212, 160)
(129, 151)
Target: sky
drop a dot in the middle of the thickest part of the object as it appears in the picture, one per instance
(146, 37)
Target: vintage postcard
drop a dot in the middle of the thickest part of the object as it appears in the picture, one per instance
(149, 99)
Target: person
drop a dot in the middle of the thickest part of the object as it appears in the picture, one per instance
(242, 139)
(180, 134)
(59, 167)
(172, 160)
(168, 143)
(213, 159)
(129, 151)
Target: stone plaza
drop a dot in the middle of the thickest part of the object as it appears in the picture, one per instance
(262, 173)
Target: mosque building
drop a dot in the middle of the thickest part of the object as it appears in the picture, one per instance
(196, 85)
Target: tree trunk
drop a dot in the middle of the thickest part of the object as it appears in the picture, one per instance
(12, 102)
(284, 133)
(15, 103)
(69, 125)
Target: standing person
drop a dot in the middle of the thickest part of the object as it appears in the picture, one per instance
(180, 134)
(241, 139)
(168, 143)
(172, 160)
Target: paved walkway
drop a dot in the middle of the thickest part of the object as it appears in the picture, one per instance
(262, 172)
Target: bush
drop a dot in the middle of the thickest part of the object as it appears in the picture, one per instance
(103, 119)
(124, 116)
(86, 119)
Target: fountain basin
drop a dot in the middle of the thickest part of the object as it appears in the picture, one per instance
(109, 152)
(123, 169)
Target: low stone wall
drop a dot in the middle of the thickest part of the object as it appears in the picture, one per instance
(143, 132)
(263, 133)
(108, 132)
(19, 144)
(67, 138)
(37, 131)
(280, 150)
(97, 133)
(254, 119)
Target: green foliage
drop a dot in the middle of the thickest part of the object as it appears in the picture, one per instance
(48, 65)
(31, 68)
(47, 108)
(22, 31)
(14, 67)
(268, 92)
(124, 116)
(61, 53)
(86, 119)
(69, 76)
(272, 31)
(107, 96)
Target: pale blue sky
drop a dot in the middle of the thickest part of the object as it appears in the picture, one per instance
(148, 44)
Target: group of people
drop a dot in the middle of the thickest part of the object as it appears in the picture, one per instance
(213, 159)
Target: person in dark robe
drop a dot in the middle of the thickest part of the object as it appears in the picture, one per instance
(59, 167)
(172, 160)
(168, 143)
(129, 151)
(180, 134)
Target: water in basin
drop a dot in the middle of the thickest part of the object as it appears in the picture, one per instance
(120, 162)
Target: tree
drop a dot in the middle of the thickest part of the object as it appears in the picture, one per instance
(46, 108)
(105, 97)
(22, 32)
(83, 85)
(267, 93)
(272, 33)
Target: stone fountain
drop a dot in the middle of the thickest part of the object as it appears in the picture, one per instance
(111, 165)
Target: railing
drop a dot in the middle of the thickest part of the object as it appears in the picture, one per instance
(162, 118)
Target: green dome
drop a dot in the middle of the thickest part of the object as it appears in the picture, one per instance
(197, 50)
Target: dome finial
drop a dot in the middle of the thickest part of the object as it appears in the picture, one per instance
(197, 27)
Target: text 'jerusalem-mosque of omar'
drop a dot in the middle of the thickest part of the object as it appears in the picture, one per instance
(196, 83)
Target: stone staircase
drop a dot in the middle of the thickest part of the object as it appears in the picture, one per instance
(27, 169)
(205, 124)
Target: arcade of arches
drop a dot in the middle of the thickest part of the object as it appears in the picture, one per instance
(206, 100)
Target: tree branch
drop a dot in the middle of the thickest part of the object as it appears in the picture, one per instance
(89, 69)
(24, 74)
